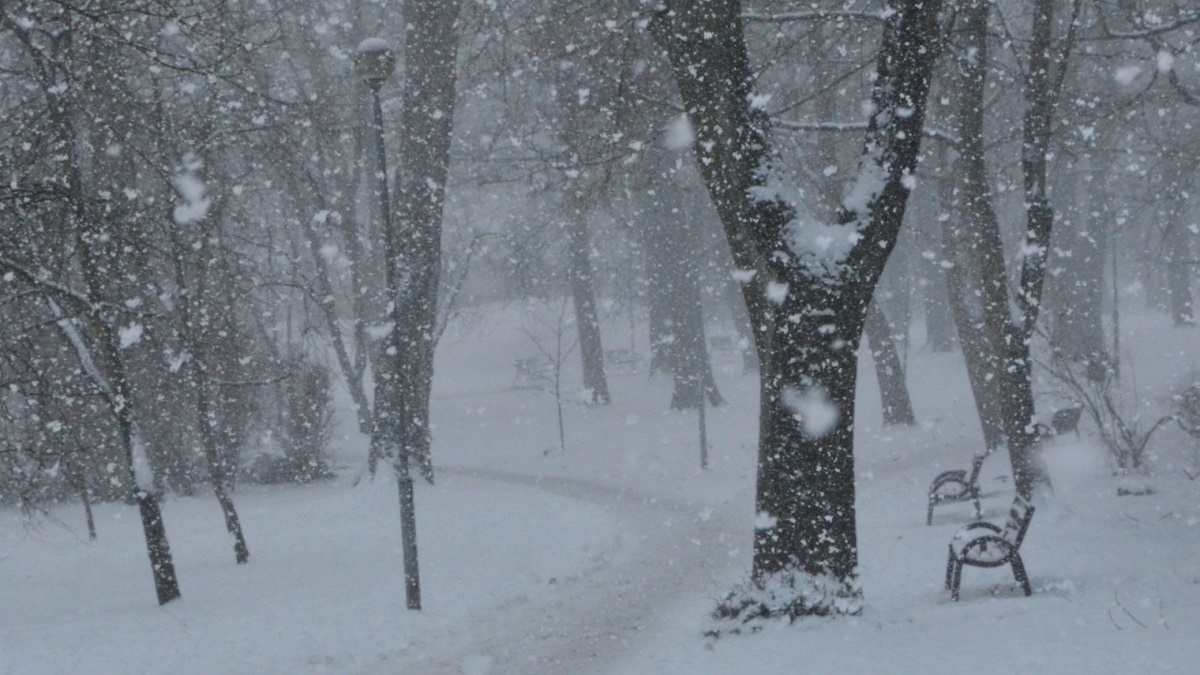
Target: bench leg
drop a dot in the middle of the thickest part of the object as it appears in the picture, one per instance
(957, 581)
(1018, 568)
(978, 510)
(949, 569)
(929, 516)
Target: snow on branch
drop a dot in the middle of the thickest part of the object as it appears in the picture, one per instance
(69, 331)
(78, 301)
(56, 295)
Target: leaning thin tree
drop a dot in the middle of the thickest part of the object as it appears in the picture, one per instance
(811, 286)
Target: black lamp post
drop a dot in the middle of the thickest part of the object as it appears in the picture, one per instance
(374, 63)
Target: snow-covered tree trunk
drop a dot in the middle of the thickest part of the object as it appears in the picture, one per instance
(807, 301)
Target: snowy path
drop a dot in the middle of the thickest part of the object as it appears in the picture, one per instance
(669, 551)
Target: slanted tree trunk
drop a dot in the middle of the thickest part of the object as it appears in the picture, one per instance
(102, 358)
(591, 349)
(1009, 339)
(897, 405)
(809, 308)
(103, 364)
(967, 246)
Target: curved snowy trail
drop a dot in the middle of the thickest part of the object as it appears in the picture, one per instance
(671, 552)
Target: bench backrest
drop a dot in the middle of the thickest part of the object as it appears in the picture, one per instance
(1018, 521)
(1066, 419)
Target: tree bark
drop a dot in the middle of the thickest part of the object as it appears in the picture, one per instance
(430, 49)
(973, 247)
(1008, 340)
(1078, 287)
(591, 349)
(692, 365)
(197, 325)
(88, 229)
(1179, 274)
(810, 324)
(939, 318)
(893, 390)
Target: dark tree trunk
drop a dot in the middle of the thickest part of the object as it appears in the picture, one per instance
(87, 512)
(897, 405)
(810, 324)
(939, 319)
(1078, 287)
(1043, 83)
(692, 362)
(658, 254)
(1179, 274)
(964, 286)
(1008, 340)
(430, 48)
(218, 469)
(77, 479)
(591, 349)
(985, 258)
(103, 265)
(964, 241)
(198, 325)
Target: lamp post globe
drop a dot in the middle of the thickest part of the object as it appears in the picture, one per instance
(374, 61)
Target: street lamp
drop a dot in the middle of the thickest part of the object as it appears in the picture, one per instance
(374, 63)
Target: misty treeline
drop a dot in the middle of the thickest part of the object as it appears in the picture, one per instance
(193, 257)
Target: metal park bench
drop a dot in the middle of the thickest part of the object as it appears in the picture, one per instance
(1063, 421)
(533, 370)
(722, 343)
(956, 486)
(983, 544)
(625, 358)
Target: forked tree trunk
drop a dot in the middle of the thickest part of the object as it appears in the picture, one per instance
(1008, 340)
(809, 308)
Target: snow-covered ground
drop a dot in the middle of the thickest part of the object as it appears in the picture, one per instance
(606, 557)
